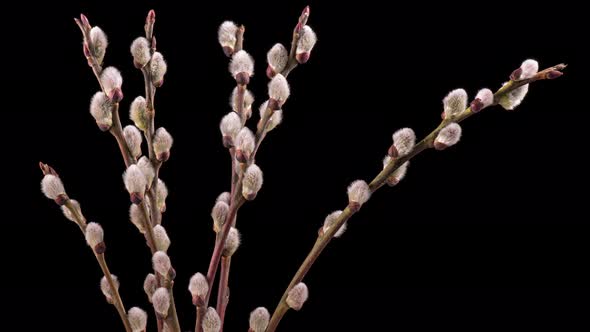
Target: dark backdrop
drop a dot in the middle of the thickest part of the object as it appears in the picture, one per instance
(489, 235)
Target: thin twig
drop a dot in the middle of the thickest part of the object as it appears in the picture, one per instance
(427, 142)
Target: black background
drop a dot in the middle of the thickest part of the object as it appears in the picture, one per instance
(489, 235)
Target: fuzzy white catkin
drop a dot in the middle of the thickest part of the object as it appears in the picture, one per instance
(150, 284)
(404, 140)
(358, 192)
(275, 119)
(449, 135)
(223, 197)
(105, 287)
(331, 220)
(99, 42)
(297, 296)
(161, 263)
(137, 319)
(162, 141)
(140, 50)
(137, 218)
(230, 125)
(226, 34)
(133, 140)
(278, 88)
(398, 174)
(512, 99)
(94, 234)
(245, 141)
(241, 62)
(68, 213)
(219, 214)
(277, 57)
(252, 181)
(158, 68)
(232, 242)
(135, 181)
(248, 100)
(198, 285)
(100, 109)
(455, 102)
(52, 186)
(161, 238)
(138, 113)
(486, 97)
(146, 167)
(161, 301)
(161, 195)
(211, 321)
(259, 319)
(307, 40)
(111, 79)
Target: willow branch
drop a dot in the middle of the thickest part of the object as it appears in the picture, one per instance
(427, 142)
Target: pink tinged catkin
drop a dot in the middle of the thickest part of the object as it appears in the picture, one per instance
(219, 215)
(211, 321)
(138, 113)
(99, 42)
(241, 67)
(161, 263)
(161, 238)
(161, 195)
(248, 101)
(275, 119)
(252, 182)
(330, 222)
(137, 319)
(112, 81)
(146, 167)
(135, 183)
(133, 140)
(483, 99)
(198, 287)
(226, 35)
(161, 301)
(158, 68)
(162, 143)
(455, 103)
(223, 197)
(398, 174)
(244, 143)
(278, 91)
(105, 287)
(94, 235)
(53, 188)
(101, 110)
(511, 100)
(137, 218)
(448, 136)
(277, 58)
(259, 319)
(230, 126)
(232, 242)
(150, 284)
(305, 44)
(358, 194)
(403, 142)
(140, 50)
(297, 296)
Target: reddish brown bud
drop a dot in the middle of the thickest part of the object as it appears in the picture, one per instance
(151, 17)
(273, 104)
(85, 22)
(61, 199)
(100, 248)
(305, 11)
(172, 273)
(440, 146)
(302, 57)
(392, 151)
(164, 156)
(159, 83)
(250, 196)
(516, 74)
(553, 74)
(116, 95)
(443, 115)
(86, 50)
(241, 156)
(270, 73)
(136, 198)
(476, 105)
(103, 127)
(242, 78)
(392, 181)
(228, 51)
(354, 206)
(228, 142)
